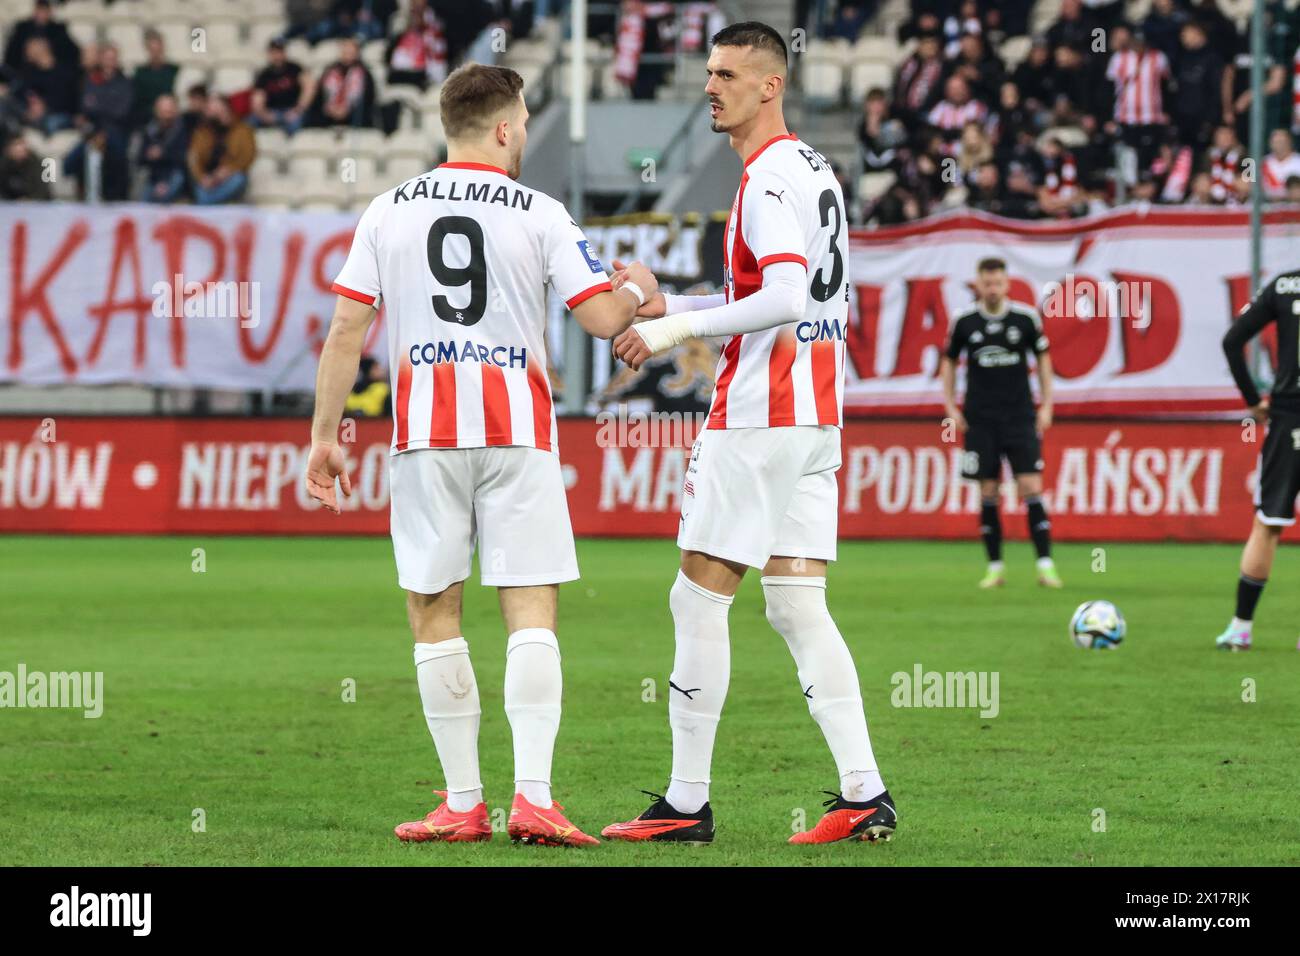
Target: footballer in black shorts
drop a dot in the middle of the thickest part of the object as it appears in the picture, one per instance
(998, 418)
(1278, 474)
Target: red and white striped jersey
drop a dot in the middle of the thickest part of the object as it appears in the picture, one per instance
(461, 256)
(950, 117)
(1139, 100)
(789, 208)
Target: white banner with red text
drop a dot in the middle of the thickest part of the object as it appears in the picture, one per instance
(1135, 301)
(1116, 480)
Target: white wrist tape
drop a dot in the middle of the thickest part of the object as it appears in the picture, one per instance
(660, 335)
(636, 291)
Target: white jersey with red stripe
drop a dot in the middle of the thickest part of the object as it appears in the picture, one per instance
(461, 257)
(789, 208)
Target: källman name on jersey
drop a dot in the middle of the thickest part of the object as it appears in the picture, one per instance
(425, 188)
(435, 353)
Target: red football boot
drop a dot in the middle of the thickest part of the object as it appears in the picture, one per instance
(544, 827)
(447, 826)
(662, 823)
(870, 821)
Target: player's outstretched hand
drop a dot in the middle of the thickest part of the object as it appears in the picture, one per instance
(324, 464)
(631, 349)
(655, 306)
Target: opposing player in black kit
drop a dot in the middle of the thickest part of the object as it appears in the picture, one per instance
(1278, 475)
(998, 418)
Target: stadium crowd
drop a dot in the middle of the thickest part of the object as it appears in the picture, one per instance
(1094, 109)
(145, 139)
(1100, 109)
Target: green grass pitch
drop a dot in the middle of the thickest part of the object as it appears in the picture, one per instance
(224, 692)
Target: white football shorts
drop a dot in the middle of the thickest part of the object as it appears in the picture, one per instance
(508, 500)
(752, 493)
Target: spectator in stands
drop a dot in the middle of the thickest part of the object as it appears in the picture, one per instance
(880, 135)
(980, 68)
(963, 20)
(1104, 13)
(417, 54)
(359, 19)
(21, 172)
(154, 78)
(1221, 31)
(107, 96)
(103, 120)
(282, 92)
(1073, 28)
(957, 108)
(1281, 163)
(99, 165)
(41, 24)
(1059, 194)
(1224, 159)
(850, 17)
(346, 92)
(927, 18)
(1198, 86)
(927, 172)
(196, 108)
(1011, 118)
(1293, 189)
(49, 88)
(1238, 95)
(221, 152)
(1202, 191)
(973, 149)
(1139, 75)
(919, 82)
(370, 395)
(1163, 26)
(1032, 76)
(163, 154)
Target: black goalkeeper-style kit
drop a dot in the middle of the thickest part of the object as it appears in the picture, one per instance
(999, 405)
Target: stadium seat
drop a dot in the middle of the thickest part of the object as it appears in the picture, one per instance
(77, 11)
(365, 174)
(84, 31)
(320, 203)
(878, 49)
(874, 185)
(129, 40)
(314, 142)
(272, 142)
(61, 143)
(261, 34)
(228, 79)
(225, 40)
(823, 81)
(1014, 51)
(264, 175)
(866, 76)
(412, 144)
(186, 77)
(177, 41)
(309, 169)
(399, 169)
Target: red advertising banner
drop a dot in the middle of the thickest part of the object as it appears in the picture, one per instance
(1107, 480)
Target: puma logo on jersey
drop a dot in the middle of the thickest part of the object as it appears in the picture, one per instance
(768, 192)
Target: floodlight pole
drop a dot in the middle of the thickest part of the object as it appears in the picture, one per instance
(1257, 144)
(576, 341)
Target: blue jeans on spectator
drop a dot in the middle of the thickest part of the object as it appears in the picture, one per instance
(53, 122)
(231, 188)
(280, 120)
(174, 182)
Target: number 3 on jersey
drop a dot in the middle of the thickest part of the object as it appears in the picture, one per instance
(474, 274)
(821, 290)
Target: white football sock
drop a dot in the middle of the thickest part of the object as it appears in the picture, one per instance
(533, 688)
(449, 694)
(1239, 625)
(1044, 563)
(698, 687)
(796, 608)
(996, 565)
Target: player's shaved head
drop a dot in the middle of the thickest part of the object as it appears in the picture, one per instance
(476, 97)
(758, 36)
